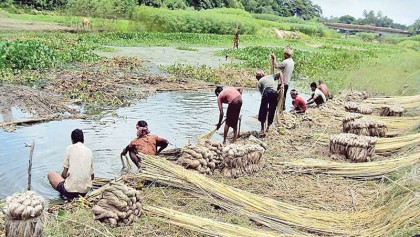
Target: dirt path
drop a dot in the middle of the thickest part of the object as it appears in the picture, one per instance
(8, 25)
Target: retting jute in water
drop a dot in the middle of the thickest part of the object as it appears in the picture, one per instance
(364, 126)
(391, 110)
(24, 215)
(240, 160)
(358, 108)
(119, 205)
(205, 157)
(353, 147)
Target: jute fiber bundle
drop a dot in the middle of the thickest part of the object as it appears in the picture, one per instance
(204, 225)
(366, 127)
(353, 147)
(391, 110)
(394, 99)
(276, 215)
(24, 215)
(119, 205)
(367, 170)
(358, 108)
(355, 95)
(348, 118)
(205, 159)
(239, 160)
(394, 143)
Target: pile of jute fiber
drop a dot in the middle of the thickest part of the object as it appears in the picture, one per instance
(239, 160)
(353, 147)
(355, 95)
(349, 118)
(391, 110)
(358, 108)
(201, 158)
(119, 205)
(24, 214)
(365, 127)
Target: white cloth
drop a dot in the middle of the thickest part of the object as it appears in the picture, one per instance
(287, 66)
(79, 161)
(318, 93)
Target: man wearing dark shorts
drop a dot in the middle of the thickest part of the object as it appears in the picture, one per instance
(76, 178)
(267, 86)
(233, 97)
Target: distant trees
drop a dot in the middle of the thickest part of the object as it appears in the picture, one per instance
(346, 19)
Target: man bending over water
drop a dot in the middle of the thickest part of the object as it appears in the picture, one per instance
(76, 178)
(233, 97)
(144, 143)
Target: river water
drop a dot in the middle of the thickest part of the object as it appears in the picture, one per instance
(178, 116)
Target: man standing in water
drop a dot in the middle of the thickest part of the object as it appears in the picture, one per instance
(233, 97)
(76, 178)
(267, 86)
(286, 66)
(144, 143)
(236, 38)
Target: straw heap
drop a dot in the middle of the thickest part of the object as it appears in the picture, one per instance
(24, 214)
(119, 205)
(239, 160)
(277, 215)
(204, 225)
(365, 127)
(353, 147)
(348, 118)
(358, 108)
(200, 158)
(391, 110)
(367, 170)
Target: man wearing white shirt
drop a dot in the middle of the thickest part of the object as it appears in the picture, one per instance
(76, 178)
(318, 96)
(286, 66)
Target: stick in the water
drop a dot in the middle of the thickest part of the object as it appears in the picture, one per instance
(31, 153)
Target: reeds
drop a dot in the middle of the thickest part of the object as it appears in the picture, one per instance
(369, 170)
(277, 215)
(394, 143)
(204, 225)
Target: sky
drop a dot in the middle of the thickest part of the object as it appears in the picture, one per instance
(401, 11)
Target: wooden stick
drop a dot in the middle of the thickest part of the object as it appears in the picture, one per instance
(31, 153)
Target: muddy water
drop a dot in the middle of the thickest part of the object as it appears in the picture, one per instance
(178, 116)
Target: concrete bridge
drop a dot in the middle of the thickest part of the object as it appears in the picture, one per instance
(365, 28)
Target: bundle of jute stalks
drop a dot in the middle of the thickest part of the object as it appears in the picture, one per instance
(391, 110)
(365, 127)
(358, 108)
(119, 205)
(353, 147)
(348, 118)
(201, 158)
(355, 95)
(24, 214)
(239, 160)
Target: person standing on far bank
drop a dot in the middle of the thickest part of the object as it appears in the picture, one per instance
(286, 66)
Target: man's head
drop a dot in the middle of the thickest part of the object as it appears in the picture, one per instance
(142, 128)
(320, 82)
(313, 86)
(77, 136)
(218, 90)
(293, 93)
(288, 52)
(259, 74)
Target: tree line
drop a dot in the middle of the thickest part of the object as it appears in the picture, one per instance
(300, 8)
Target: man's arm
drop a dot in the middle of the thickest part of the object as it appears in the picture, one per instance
(240, 89)
(219, 102)
(281, 81)
(65, 173)
(162, 143)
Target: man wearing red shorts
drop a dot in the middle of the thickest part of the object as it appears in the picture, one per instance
(233, 97)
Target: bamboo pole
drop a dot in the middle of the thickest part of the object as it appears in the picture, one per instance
(31, 153)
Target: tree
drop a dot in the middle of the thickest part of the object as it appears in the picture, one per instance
(346, 19)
